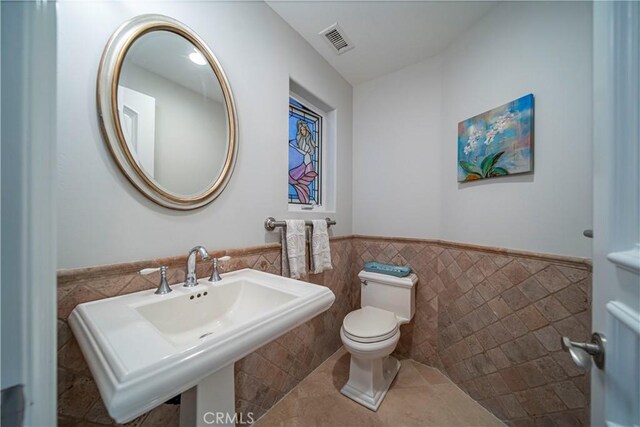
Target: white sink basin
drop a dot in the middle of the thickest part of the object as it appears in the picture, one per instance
(183, 320)
(144, 348)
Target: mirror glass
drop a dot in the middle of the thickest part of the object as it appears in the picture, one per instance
(172, 113)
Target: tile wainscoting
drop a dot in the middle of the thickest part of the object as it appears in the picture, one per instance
(489, 318)
(261, 378)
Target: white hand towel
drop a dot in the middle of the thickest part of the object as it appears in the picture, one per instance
(293, 249)
(320, 249)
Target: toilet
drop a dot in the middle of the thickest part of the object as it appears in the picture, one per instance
(371, 333)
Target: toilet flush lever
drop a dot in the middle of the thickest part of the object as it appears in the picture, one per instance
(364, 282)
(583, 352)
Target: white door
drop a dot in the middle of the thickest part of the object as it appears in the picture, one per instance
(615, 390)
(138, 120)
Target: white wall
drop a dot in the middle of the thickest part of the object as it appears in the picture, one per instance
(396, 153)
(517, 48)
(103, 219)
(544, 48)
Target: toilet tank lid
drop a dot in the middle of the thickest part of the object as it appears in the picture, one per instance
(385, 279)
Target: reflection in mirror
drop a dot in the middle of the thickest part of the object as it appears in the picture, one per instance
(172, 113)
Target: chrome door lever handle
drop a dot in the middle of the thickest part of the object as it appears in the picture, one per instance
(583, 352)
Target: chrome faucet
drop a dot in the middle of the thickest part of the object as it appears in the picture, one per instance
(191, 265)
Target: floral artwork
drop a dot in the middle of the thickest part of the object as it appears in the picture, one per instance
(305, 143)
(498, 142)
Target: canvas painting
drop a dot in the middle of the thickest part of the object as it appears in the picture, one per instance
(498, 142)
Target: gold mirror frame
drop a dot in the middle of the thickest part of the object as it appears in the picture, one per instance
(107, 98)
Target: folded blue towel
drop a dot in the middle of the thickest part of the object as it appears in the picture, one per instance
(392, 270)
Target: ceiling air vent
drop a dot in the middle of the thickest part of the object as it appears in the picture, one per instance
(337, 39)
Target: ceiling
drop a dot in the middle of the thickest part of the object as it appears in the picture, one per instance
(388, 35)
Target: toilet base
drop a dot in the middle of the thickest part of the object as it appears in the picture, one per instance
(369, 380)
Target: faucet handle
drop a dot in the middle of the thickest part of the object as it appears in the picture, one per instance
(163, 287)
(215, 275)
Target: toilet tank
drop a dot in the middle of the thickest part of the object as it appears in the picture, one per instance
(394, 294)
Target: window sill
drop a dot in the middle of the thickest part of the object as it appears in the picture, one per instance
(322, 210)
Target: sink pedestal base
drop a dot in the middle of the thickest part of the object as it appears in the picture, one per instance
(211, 402)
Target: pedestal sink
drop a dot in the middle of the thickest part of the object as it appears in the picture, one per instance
(143, 348)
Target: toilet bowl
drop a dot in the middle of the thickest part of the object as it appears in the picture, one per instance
(371, 333)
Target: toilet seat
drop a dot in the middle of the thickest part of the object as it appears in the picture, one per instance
(370, 325)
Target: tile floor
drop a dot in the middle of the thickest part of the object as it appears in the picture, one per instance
(419, 396)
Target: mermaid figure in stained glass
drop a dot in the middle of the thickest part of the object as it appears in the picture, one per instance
(303, 175)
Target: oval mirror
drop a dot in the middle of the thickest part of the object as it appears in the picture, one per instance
(167, 112)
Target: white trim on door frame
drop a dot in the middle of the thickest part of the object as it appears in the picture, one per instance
(28, 204)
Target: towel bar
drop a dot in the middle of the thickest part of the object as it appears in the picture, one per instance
(271, 223)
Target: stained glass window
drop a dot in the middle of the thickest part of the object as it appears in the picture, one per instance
(305, 155)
